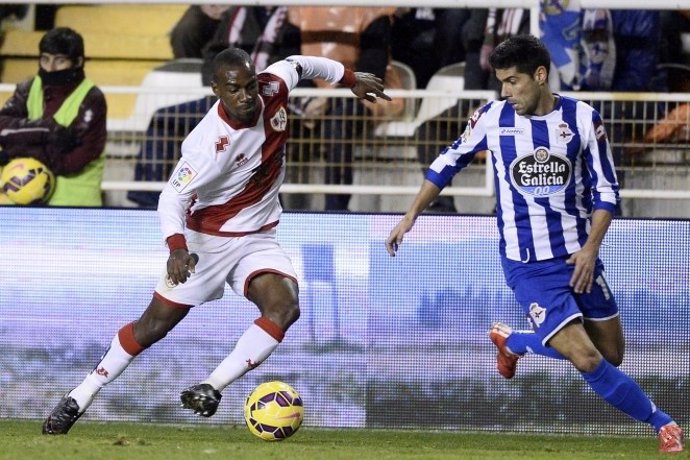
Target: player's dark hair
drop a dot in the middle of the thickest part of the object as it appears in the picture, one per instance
(231, 57)
(524, 52)
(62, 40)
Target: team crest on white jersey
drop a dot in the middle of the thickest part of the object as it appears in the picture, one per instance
(279, 120)
(222, 144)
(563, 133)
(540, 173)
(182, 177)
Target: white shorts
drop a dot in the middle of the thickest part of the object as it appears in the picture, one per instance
(226, 260)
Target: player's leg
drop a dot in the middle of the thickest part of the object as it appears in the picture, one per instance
(520, 342)
(276, 297)
(602, 319)
(607, 336)
(265, 276)
(598, 307)
(133, 338)
(616, 387)
(542, 290)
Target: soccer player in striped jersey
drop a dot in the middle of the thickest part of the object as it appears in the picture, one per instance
(556, 191)
(219, 213)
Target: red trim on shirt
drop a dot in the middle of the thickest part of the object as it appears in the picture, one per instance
(211, 231)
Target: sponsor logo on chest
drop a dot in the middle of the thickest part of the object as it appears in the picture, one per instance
(540, 173)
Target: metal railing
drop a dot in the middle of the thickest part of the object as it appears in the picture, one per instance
(389, 154)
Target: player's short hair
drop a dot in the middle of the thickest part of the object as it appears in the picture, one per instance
(63, 40)
(231, 57)
(524, 52)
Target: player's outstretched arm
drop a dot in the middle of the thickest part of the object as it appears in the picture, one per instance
(427, 193)
(396, 235)
(368, 86)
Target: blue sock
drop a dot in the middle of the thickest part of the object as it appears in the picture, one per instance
(624, 394)
(522, 342)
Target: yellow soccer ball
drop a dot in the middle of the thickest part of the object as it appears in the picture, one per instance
(274, 411)
(27, 181)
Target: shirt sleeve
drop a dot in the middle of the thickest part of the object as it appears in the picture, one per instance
(605, 188)
(191, 173)
(460, 153)
(312, 68)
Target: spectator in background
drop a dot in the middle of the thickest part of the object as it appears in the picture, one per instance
(59, 118)
(13, 12)
(360, 39)
(637, 34)
(674, 25)
(196, 29)
(604, 50)
(265, 34)
(581, 44)
(427, 39)
(481, 33)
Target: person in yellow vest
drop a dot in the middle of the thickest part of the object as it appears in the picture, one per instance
(59, 118)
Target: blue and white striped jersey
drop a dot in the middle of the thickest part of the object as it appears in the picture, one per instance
(551, 173)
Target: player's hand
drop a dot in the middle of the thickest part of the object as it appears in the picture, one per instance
(396, 236)
(181, 265)
(583, 275)
(370, 87)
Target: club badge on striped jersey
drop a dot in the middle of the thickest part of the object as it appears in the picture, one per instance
(563, 133)
(541, 173)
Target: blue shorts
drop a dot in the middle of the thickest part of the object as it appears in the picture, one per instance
(543, 291)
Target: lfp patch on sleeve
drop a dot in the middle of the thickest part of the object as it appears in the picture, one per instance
(182, 177)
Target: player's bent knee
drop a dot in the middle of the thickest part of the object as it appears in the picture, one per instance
(586, 362)
(293, 313)
(288, 314)
(614, 358)
(147, 333)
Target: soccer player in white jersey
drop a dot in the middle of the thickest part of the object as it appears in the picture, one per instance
(556, 193)
(218, 215)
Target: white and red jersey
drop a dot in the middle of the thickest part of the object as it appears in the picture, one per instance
(227, 180)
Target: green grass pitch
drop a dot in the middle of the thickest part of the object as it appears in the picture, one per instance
(133, 441)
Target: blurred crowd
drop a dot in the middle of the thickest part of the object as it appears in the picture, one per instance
(592, 50)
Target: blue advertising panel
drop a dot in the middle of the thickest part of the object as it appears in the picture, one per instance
(382, 342)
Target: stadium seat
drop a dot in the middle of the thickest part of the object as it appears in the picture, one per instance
(449, 79)
(181, 78)
(408, 80)
(121, 20)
